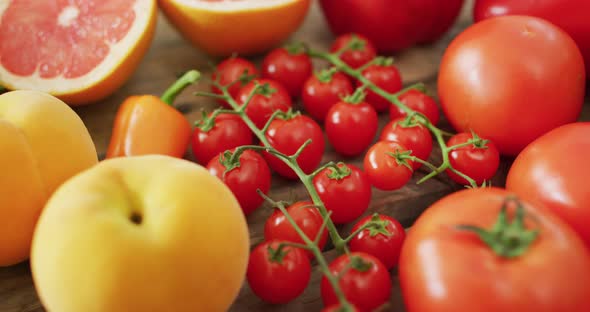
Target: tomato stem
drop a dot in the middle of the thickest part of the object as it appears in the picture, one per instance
(184, 81)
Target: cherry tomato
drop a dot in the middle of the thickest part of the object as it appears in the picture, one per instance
(446, 267)
(383, 240)
(351, 126)
(307, 217)
(411, 134)
(290, 67)
(509, 95)
(418, 102)
(357, 56)
(287, 136)
(273, 96)
(228, 131)
(364, 280)
(323, 90)
(338, 308)
(479, 161)
(385, 171)
(235, 71)
(386, 76)
(345, 191)
(278, 275)
(552, 172)
(243, 177)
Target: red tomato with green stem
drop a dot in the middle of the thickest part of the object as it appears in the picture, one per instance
(359, 50)
(278, 274)
(383, 239)
(387, 165)
(235, 72)
(290, 66)
(384, 75)
(419, 102)
(411, 134)
(345, 190)
(323, 90)
(338, 308)
(364, 280)
(477, 158)
(213, 136)
(270, 97)
(287, 134)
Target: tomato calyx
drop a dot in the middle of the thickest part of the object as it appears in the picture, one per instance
(359, 264)
(411, 120)
(230, 160)
(265, 90)
(277, 255)
(377, 226)
(325, 75)
(354, 44)
(339, 171)
(357, 97)
(506, 239)
(295, 48)
(401, 158)
(383, 61)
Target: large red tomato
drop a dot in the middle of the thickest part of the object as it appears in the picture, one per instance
(511, 79)
(553, 171)
(392, 25)
(569, 15)
(448, 268)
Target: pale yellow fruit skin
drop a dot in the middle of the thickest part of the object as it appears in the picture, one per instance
(43, 142)
(190, 252)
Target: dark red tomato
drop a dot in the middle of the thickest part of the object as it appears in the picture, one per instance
(307, 217)
(323, 90)
(287, 136)
(357, 57)
(419, 102)
(345, 191)
(481, 93)
(553, 172)
(278, 276)
(413, 135)
(385, 171)
(235, 71)
(245, 176)
(364, 280)
(338, 308)
(479, 161)
(392, 25)
(569, 15)
(351, 127)
(385, 76)
(290, 68)
(383, 240)
(228, 131)
(273, 96)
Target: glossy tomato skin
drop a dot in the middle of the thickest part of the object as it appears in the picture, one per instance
(319, 96)
(278, 282)
(386, 77)
(229, 131)
(419, 102)
(287, 136)
(347, 198)
(366, 290)
(253, 174)
(261, 107)
(383, 170)
(289, 69)
(512, 101)
(553, 171)
(229, 71)
(385, 247)
(480, 164)
(354, 58)
(444, 269)
(307, 217)
(351, 128)
(569, 15)
(416, 138)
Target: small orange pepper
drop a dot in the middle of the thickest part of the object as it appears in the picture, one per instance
(146, 124)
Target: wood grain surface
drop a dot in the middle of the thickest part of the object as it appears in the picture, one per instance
(170, 56)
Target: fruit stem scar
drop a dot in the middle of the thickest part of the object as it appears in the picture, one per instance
(68, 15)
(136, 217)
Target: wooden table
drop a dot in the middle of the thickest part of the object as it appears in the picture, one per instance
(169, 56)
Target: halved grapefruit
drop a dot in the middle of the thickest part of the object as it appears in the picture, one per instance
(245, 27)
(78, 50)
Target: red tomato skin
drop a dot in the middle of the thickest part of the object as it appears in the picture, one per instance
(305, 215)
(228, 71)
(354, 58)
(347, 198)
(418, 102)
(385, 248)
(287, 136)
(351, 128)
(553, 171)
(365, 290)
(415, 138)
(318, 97)
(569, 15)
(228, 132)
(479, 164)
(261, 107)
(511, 102)
(387, 78)
(278, 283)
(291, 70)
(474, 278)
(382, 170)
